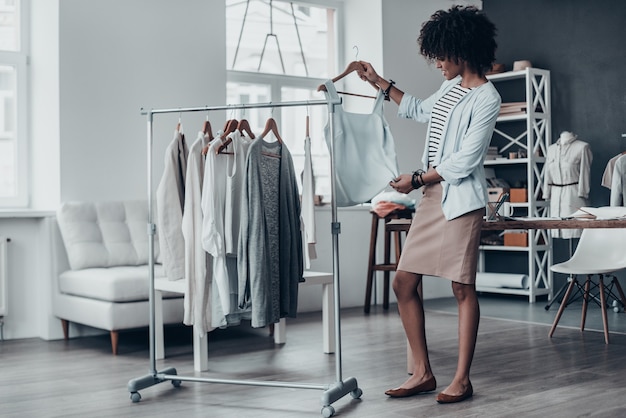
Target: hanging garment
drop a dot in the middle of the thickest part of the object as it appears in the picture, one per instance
(270, 248)
(618, 182)
(308, 207)
(170, 200)
(364, 152)
(607, 176)
(566, 180)
(220, 208)
(198, 263)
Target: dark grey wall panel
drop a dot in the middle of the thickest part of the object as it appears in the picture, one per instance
(582, 43)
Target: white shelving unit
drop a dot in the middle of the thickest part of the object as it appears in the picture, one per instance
(529, 132)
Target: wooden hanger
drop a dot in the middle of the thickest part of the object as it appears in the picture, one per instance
(307, 126)
(206, 129)
(244, 126)
(270, 125)
(231, 126)
(353, 66)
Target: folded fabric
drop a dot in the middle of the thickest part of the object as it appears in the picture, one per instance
(383, 209)
(395, 197)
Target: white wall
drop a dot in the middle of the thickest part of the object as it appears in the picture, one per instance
(117, 56)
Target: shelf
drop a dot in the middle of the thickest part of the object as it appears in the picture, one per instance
(506, 161)
(511, 248)
(534, 139)
(521, 117)
(521, 74)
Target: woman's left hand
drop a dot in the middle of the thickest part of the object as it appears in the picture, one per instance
(402, 183)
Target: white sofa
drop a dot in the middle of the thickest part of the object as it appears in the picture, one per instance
(103, 279)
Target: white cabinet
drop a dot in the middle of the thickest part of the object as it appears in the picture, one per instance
(526, 133)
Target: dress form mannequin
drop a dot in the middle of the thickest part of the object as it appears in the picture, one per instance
(566, 182)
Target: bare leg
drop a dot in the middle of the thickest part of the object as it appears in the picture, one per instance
(469, 316)
(405, 286)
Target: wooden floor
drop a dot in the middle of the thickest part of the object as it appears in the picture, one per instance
(517, 371)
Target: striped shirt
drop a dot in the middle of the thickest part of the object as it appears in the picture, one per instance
(439, 117)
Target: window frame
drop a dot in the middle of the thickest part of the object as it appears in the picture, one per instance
(19, 60)
(277, 82)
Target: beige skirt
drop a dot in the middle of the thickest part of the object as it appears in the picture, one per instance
(438, 247)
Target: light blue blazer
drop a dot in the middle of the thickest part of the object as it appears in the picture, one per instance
(466, 137)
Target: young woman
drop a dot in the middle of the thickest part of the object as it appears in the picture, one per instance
(445, 234)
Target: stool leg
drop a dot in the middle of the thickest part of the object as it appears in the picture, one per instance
(371, 263)
(386, 272)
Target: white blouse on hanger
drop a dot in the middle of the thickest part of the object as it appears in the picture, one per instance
(170, 198)
(221, 196)
(198, 263)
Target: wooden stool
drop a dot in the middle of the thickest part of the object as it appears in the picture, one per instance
(387, 266)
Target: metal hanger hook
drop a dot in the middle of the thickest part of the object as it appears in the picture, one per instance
(356, 54)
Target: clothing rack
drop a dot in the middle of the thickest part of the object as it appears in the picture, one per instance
(332, 392)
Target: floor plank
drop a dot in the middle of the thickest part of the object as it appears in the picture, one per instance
(517, 370)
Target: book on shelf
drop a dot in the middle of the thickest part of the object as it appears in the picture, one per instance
(516, 108)
(513, 108)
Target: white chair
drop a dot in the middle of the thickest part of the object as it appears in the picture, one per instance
(600, 252)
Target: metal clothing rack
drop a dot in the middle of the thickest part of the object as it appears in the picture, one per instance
(332, 392)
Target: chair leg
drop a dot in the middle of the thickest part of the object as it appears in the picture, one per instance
(603, 306)
(572, 283)
(583, 317)
(370, 265)
(114, 340)
(620, 291)
(65, 324)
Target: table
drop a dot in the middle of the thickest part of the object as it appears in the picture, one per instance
(405, 224)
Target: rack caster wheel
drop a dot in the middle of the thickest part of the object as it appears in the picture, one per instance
(176, 383)
(617, 307)
(328, 411)
(135, 397)
(356, 393)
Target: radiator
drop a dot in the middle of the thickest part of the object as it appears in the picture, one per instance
(3, 275)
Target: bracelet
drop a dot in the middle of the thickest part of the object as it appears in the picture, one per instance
(416, 179)
(388, 89)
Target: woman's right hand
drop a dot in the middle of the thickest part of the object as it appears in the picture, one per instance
(368, 73)
(402, 183)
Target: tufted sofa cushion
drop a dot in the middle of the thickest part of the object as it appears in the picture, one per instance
(114, 284)
(105, 234)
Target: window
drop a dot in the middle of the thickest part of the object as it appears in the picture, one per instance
(13, 143)
(281, 51)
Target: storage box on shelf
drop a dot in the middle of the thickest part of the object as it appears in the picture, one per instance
(516, 238)
(518, 195)
(524, 134)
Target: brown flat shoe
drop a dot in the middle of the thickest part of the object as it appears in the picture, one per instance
(443, 398)
(427, 386)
